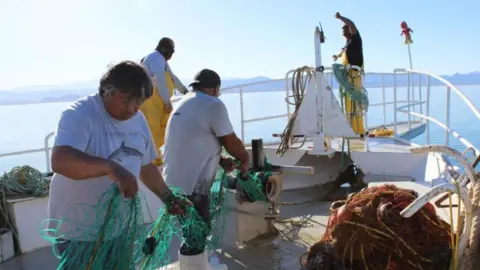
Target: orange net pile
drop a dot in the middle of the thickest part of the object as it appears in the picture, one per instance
(367, 232)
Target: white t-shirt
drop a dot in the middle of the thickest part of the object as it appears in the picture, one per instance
(86, 126)
(156, 66)
(192, 147)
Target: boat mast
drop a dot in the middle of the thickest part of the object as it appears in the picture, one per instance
(319, 39)
(319, 139)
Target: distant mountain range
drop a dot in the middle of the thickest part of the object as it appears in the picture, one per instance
(73, 91)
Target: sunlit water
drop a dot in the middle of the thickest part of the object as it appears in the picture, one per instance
(25, 126)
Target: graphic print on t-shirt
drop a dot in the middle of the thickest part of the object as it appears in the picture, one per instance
(129, 157)
(124, 151)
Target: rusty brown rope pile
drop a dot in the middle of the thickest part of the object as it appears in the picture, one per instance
(367, 232)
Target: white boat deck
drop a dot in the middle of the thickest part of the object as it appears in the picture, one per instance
(375, 144)
(299, 227)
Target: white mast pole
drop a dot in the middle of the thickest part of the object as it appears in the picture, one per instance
(410, 86)
(318, 49)
(410, 56)
(319, 138)
(318, 63)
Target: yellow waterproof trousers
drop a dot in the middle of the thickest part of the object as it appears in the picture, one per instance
(356, 121)
(154, 111)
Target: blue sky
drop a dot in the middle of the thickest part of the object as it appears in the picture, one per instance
(61, 41)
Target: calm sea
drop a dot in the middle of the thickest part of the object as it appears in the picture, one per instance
(25, 126)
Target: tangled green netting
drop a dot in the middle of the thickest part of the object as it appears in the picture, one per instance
(357, 95)
(116, 238)
(255, 185)
(358, 99)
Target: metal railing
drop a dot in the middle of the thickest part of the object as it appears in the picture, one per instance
(410, 107)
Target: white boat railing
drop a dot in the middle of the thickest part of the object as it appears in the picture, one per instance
(426, 117)
(410, 107)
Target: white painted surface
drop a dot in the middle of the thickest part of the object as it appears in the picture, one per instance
(319, 101)
(388, 163)
(6, 244)
(244, 222)
(151, 204)
(28, 215)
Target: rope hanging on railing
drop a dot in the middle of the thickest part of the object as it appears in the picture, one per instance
(300, 80)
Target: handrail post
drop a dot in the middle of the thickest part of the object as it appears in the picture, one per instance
(420, 96)
(394, 103)
(414, 105)
(47, 150)
(447, 118)
(289, 143)
(408, 100)
(286, 96)
(241, 115)
(383, 101)
(427, 109)
(365, 122)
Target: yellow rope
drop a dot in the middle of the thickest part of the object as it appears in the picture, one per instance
(455, 235)
(452, 233)
(100, 239)
(155, 231)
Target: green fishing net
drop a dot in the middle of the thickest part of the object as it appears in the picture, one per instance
(218, 209)
(104, 239)
(153, 246)
(359, 96)
(254, 185)
(115, 237)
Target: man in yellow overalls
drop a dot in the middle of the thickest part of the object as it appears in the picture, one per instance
(352, 54)
(157, 109)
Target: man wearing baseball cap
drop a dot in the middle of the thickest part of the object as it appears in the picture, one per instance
(196, 132)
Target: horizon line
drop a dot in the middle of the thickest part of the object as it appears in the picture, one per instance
(182, 79)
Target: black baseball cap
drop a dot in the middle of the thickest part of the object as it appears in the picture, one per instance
(206, 78)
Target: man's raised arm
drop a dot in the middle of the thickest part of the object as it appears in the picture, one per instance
(351, 25)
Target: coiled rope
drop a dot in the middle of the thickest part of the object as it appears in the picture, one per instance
(21, 181)
(300, 80)
(24, 181)
(471, 258)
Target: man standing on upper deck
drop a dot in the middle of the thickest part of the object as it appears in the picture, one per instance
(157, 109)
(352, 54)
